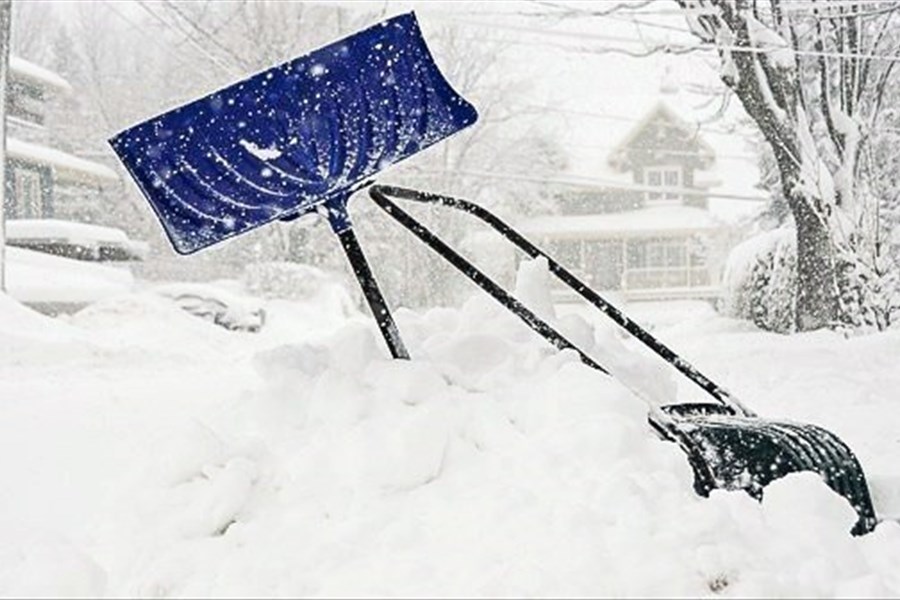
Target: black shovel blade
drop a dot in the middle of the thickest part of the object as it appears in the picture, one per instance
(748, 453)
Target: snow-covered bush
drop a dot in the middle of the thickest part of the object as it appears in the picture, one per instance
(760, 280)
(869, 296)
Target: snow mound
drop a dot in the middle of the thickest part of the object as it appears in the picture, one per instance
(44, 278)
(300, 283)
(27, 336)
(149, 323)
(14, 317)
(491, 465)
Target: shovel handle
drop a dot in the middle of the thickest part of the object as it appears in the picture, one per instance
(339, 219)
(479, 278)
(379, 194)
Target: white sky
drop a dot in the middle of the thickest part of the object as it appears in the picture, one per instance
(586, 92)
(592, 97)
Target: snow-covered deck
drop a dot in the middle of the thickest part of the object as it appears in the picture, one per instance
(19, 67)
(67, 167)
(75, 240)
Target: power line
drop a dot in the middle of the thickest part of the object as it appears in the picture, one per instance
(633, 6)
(795, 6)
(206, 34)
(798, 5)
(545, 32)
(580, 181)
(666, 151)
(613, 117)
(666, 47)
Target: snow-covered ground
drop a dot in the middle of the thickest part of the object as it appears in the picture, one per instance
(150, 453)
(42, 278)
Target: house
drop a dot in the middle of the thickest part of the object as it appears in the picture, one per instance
(52, 262)
(654, 217)
(47, 189)
(42, 181)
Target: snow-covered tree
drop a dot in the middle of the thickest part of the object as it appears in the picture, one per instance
(812, 76)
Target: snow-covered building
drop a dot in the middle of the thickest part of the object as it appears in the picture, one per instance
(657, 212)
(52, 265)
(42, 181)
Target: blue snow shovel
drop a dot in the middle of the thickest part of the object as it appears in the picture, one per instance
(305, 135)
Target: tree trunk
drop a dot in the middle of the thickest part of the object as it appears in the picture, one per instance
(838, 280)
(817, 302)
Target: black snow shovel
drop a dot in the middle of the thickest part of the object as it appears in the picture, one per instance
(303, 136)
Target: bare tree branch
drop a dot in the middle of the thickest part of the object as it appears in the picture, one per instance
(591, 12)
(194, 25)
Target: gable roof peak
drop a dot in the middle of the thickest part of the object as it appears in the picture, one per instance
(618, 155)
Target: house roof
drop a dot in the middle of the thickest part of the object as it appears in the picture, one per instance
(730, 182)
(658, 220)
(608, 96)
(67, 167)
(36, 74)
(590, 81)
(661, 108)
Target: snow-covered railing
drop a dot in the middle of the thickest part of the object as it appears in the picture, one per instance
(82, 241)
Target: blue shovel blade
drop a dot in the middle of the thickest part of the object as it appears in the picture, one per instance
(298, 135)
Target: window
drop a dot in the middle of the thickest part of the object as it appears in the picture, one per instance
(656, 253)
(28, 194)
(603, 263)
(664, 262)
(663, 177)
(567, 253)
(676, 256)
(26, 103)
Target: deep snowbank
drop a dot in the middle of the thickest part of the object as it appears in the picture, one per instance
(490, 465)
(40, 277)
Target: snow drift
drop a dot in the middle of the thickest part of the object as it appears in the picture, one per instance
(490, 465)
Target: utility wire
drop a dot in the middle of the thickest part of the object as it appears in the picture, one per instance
(614, 117)
(580, 181)
(660, 46)
(206, 34)
(616, 8)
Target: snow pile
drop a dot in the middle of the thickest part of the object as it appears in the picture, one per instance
(148, 323)
(298, 282)
(44, 278)
(29, 338)
(760, 279)
(490, 465)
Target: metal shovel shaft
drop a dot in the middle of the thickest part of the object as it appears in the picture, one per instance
(379, 194)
